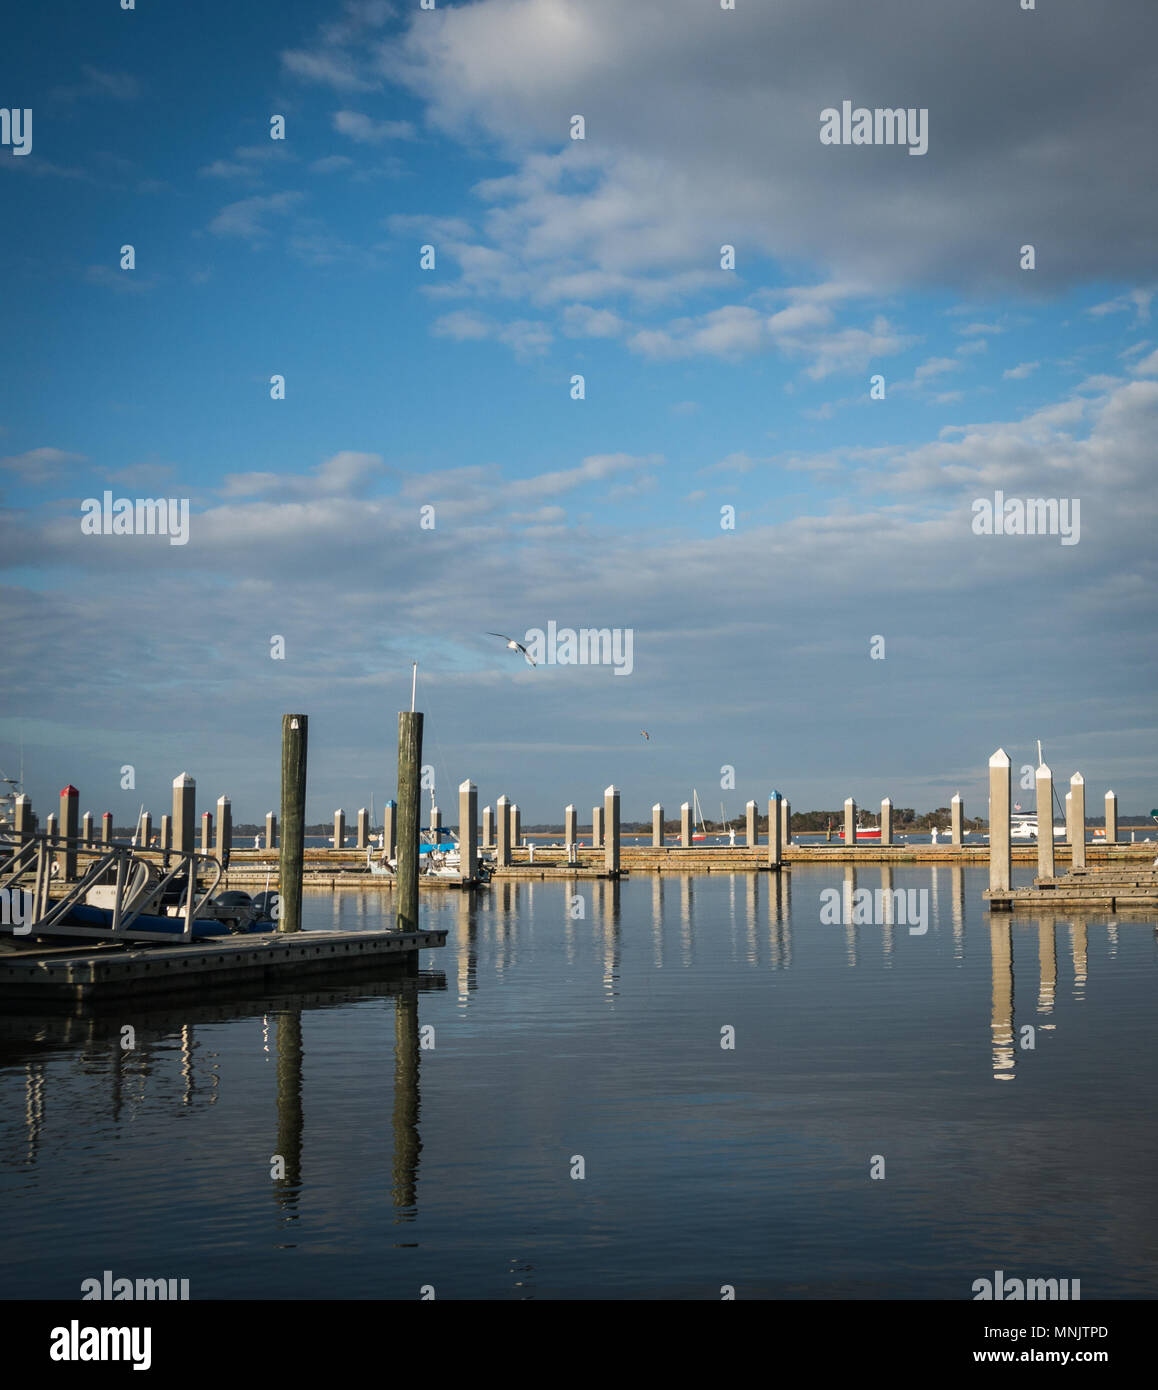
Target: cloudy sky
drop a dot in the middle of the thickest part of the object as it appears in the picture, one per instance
(450, 388)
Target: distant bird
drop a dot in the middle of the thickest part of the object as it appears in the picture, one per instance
(645, 734)
(513, 645)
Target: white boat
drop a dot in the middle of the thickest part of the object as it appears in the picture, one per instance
(1023, 826)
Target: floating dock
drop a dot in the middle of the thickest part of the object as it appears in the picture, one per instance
(36, 972)
(1114, 889)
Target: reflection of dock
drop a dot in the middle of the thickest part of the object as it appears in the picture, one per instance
(1113, 889)
(104, 971)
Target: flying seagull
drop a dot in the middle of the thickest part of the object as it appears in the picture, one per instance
(645, 734)
(513, 645)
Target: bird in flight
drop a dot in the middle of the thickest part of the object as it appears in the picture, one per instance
(645, 734)
(513, 645)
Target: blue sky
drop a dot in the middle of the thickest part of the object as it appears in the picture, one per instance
(450, 388)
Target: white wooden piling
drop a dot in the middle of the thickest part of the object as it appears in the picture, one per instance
(107, 828)
(775, 824)
(657, 826)
(611, 824)
(86, 830)
(849, 821)
(1000, 846)
(488, 828)
(1043, 783)
(390, 829)
(503, 832)
(206, 832)
(363, 841)
(957, 819)
(271, 830)
(752, 825)
(596, 826)
(468, 830)
(1078, 824)
(685, 826)
(1111, 819)
(339, 830)
(570, 831)
(886, 821)
(70, 829)
(516, 827)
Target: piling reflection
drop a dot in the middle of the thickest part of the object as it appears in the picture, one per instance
(1001, 956)
(957, 880)
(287, 1162)
(407, 1145)
(850, 933)
(887, 914)
(1047, 962)
(1078, 945)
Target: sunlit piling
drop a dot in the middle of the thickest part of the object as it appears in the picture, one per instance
(751, 825)
(207, 833)
(774, 826)
(291, 854)
(886, 821)
(86, 828)
(488, 828)
(570, 829)
(1043, 782)
(1076, 806)
(224, 830)
(107, 828)
(1111, 818)
(69, 828)
(270, 830)
(657, 826)
(516, 826)
(339, 830)
(957, 819)
(596, 826)
(22, 817)
(467, 830)
(363, 841)
(849, 821)
(611, 830)
(409, 818)
(685, 826)
(145, 829)
(1000, 845)
(502, 832)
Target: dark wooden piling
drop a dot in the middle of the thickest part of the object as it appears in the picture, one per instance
(409, 801)
(294, 740)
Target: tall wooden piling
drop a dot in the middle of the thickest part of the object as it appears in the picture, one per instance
(409, 818)
(502, 832)
(849, 821)
(468, 830)
(70, 829)
(887, 821)
(339, 830)
(751, 825)
(774, 827)
(685, 826)
(206, 832)
(657, 826)
(184, 813)
(1000, 846)
(488, 828)
(145, 830)
(570, 829)
(291, 852)
(1043, 782)
(390, 829)
(1111, 819)
(611, 829)
(270, 830)
(363, 841)
(107, 828)
(1078, 828)
(224, 830)
(957, 819)
(22, 817)
(785, 823)
(596, 826)
(516, 827)
(86, 827)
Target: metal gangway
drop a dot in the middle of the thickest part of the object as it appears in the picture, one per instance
(39, 859)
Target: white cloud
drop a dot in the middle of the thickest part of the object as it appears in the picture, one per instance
(1020, 372)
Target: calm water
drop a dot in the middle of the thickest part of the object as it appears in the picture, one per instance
(599, 1036)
